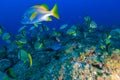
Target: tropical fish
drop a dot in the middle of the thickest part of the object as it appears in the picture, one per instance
(107, 41)
(18, 43)
(23, 41)
(38, 45)
(25, 57)
(6, 36)
(63, 26)
(22, 28)
(71, 32)
(33, 27)
(38, 13)
(93, 24)
(47, 28)
(44, 28)
(87, 19)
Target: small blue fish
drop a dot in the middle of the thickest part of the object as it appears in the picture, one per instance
(38, 13)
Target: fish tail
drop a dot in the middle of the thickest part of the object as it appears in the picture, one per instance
(55, 12)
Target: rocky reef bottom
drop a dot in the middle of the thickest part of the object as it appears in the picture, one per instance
(79, 52)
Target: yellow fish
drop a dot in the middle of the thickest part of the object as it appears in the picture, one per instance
(38, 13)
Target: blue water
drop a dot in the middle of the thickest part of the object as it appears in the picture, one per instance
(105, 12)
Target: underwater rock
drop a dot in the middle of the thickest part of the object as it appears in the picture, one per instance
(4, 64)
(2, 52)
(56, 47)
(89, 41)
(81, 51)
(13, 57)
(3, 76)
(20, 70)
(115, 34)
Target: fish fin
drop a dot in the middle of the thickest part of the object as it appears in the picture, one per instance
(55, 12)
(49, 19)
(44, 6)
(30, 59)
(33, 15)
